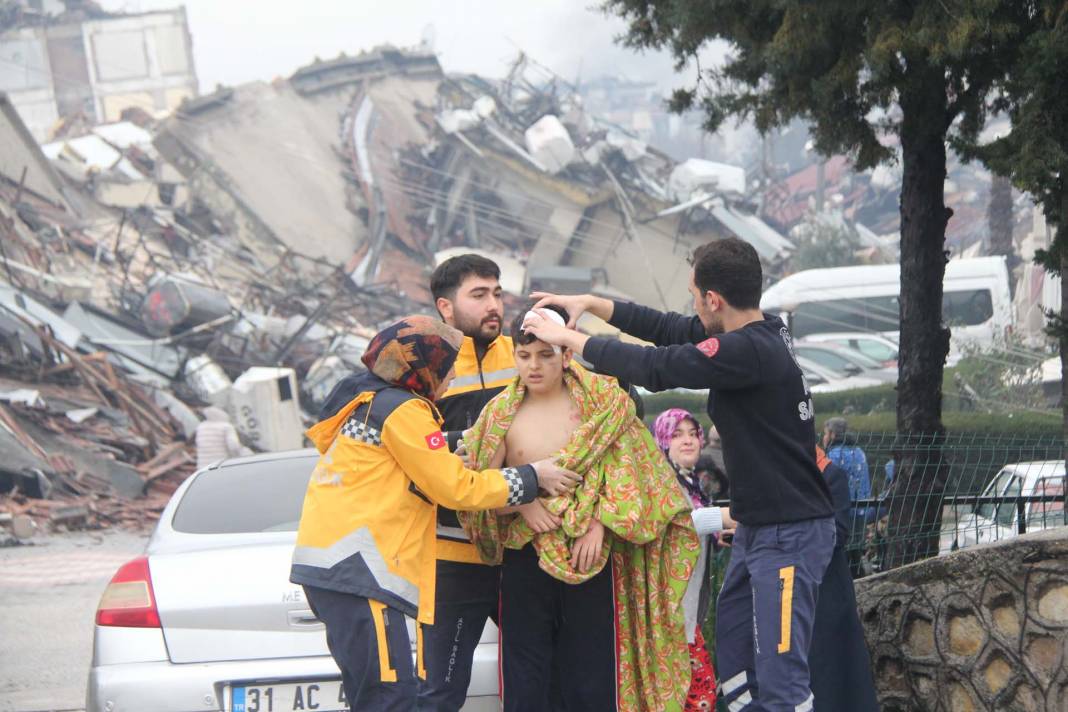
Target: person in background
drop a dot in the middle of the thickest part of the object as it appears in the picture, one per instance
(680, 437)
(216, 438)
(365, 550)
(711, 469)
(842, 449)
(842, 679)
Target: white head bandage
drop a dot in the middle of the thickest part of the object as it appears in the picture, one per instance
(544, 314)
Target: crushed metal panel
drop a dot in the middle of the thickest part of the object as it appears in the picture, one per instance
(769, 244)
(124, 134)
(126, 344)
(62, 328)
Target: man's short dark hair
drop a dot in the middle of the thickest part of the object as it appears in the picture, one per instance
(730, 267)
(521, 338)
(451, 273)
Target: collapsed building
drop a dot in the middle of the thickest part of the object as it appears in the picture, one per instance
(401, 163)
(240, 252)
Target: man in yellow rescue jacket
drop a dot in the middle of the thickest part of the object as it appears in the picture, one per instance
(365, 551)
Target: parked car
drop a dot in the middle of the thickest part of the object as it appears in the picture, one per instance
(993, 522)
(845, 359)
(881, 348)
(821, 379)
(208, 620)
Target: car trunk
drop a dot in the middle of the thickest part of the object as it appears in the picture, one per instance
(233, 603)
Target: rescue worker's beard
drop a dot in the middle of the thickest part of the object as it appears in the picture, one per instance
(713, 324)
(477, 328)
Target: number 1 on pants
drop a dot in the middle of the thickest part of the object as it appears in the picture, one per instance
(786, 609)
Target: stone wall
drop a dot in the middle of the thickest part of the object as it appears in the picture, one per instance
(982, 629)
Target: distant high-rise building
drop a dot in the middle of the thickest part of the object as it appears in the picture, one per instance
(58, 60)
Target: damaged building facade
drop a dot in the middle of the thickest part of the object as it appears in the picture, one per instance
(61, 60)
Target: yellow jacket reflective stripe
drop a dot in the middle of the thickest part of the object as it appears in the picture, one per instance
(368, 522)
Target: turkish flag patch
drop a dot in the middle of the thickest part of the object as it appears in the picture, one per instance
(435, 441)
(709, 347)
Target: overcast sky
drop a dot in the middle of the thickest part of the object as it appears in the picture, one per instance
(236, 41)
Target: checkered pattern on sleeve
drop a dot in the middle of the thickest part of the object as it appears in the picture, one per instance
(515, 485)
(358, 430)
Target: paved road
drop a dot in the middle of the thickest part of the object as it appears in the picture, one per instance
(48, 594)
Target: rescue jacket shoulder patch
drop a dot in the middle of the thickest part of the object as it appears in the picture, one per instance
(709, 347)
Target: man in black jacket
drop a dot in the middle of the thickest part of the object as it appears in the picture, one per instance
(761, 405)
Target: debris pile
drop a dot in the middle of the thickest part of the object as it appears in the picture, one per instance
(240, 252)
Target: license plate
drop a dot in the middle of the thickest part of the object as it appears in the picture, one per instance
(320, 696)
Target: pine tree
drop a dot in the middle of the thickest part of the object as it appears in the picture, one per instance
(1034, 154)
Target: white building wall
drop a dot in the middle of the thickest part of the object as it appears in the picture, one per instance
(143, 61)
(26, 77)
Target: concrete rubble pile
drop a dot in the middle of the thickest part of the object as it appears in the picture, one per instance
(121, 320)
(240, 251)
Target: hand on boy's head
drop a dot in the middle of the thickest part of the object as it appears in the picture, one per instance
(574, 304)
(545, 329)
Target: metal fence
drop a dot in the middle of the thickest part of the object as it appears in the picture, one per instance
(927, 496)
(920, 496)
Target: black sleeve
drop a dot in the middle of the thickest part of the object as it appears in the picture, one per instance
(660, 328)
(725, 362)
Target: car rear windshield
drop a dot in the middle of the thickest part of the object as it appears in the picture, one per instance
(245, 498)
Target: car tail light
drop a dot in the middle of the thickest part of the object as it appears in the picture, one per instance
(129, 601)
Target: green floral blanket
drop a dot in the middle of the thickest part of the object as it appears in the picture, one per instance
(629, 487)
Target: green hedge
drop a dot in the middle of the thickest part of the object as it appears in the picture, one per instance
(1038, 425)
(863, 401)
(879, 399)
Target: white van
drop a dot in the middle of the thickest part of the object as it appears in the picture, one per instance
(995, 521)
(976, 302)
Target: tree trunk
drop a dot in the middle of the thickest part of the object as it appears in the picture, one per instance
(1060, 247)
(915, 510)
(1000, 221)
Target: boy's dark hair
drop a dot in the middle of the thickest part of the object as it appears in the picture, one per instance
(731, 268)
(451, 273)
(519, 337)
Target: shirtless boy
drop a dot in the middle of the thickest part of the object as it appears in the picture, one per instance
(546, 623)
(592, 582)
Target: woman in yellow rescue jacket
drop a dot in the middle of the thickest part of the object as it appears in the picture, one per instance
(365, 551)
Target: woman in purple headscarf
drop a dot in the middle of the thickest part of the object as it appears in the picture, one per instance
(681, 437)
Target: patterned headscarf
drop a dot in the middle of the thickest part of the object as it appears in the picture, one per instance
(416, 353)
(666, 423)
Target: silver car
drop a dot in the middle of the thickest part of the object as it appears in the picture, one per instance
(208, 620)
